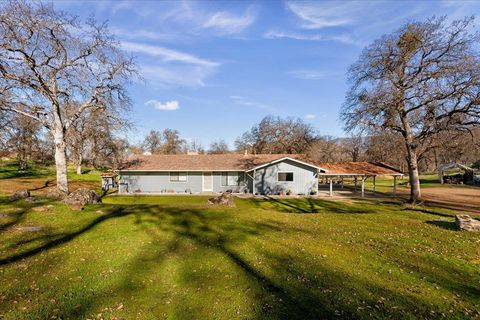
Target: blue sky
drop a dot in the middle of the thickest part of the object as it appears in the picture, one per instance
(213, 69)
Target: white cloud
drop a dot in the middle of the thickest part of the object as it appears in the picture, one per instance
(245, 102)
(317, 15)
(119, 5)
(308, 74)
(167, 54)
(176, 76)
(169, 105)
(143, 34)
(173, 68)
(310, 116)
(273, 34)
(342, 38)
(227, 23)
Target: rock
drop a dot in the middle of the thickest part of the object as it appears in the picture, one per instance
(32, 199)
(467, 223)
(225, 199)
(54, 193)
(21, 194)
(77, 199)
(29, 228)
(40, 209)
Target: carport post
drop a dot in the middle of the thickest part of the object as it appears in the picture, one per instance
(394, 185)
(253, 184)
(363, 186)
(356, 182)
(331, 188)
(342, 183)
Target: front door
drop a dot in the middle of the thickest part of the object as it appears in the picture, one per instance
(207, 181)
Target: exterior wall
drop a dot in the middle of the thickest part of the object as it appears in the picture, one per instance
(305, 181)
(159, 182)
(304, 178)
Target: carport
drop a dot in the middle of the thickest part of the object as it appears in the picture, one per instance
(359, 171)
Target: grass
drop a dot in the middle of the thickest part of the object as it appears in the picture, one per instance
(175, 257)
(9, 169)
(157, 257)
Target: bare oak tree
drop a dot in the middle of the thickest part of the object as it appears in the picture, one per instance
(166, 142)
(218, 147)
(419, 81)
(50, 60)
(277, 135)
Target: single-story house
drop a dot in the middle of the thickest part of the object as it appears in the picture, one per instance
(238, 173)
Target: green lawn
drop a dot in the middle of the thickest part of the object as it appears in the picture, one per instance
(177, 258)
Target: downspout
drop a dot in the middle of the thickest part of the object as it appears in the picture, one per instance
(254, 176)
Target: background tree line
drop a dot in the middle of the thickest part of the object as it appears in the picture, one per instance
(91, 144)
(413, 101)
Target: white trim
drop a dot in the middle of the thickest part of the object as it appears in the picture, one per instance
(358, 174)
(293, 175)
(203, 180)
(183, 170)
(170, 177)
(283, 159)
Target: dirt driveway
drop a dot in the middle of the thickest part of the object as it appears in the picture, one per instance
(451, 197)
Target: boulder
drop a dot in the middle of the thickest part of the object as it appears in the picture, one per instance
(77, 199)
(29, 229)
(54, 193)
(42, 208)
(225, 199)
(21, 194)
(467, 223)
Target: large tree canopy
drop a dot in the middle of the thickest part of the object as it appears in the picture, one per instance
(277, 135)
(419, 81)
(54, 68)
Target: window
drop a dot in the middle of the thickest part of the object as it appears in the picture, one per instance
(232, 178)
(178, 177)
(285, 176)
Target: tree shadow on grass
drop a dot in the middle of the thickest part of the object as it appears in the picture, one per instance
(55, 239)
(319, 290)
(311, 205)
(323, 293)
(427, 211)
(448, 225)
(11, 218)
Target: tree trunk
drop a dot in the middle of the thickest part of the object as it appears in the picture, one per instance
(415, 193)
(79, 168)
(412, 161)
(78, 164)
(61, 160)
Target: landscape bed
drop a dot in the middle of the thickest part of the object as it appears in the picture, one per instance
(148, 257)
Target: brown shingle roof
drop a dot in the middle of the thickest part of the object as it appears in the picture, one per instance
(207, 162)
(360, 168)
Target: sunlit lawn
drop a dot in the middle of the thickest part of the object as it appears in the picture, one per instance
(177, 258)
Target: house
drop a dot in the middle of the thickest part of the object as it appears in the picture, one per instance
(238, 173)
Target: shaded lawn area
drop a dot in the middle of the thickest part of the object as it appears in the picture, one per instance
(39, 178)
(175, 257)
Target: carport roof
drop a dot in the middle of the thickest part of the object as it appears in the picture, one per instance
(358, 168)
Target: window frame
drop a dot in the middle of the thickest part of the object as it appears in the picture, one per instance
(230, 174)
(179, 174)
(287, 172)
